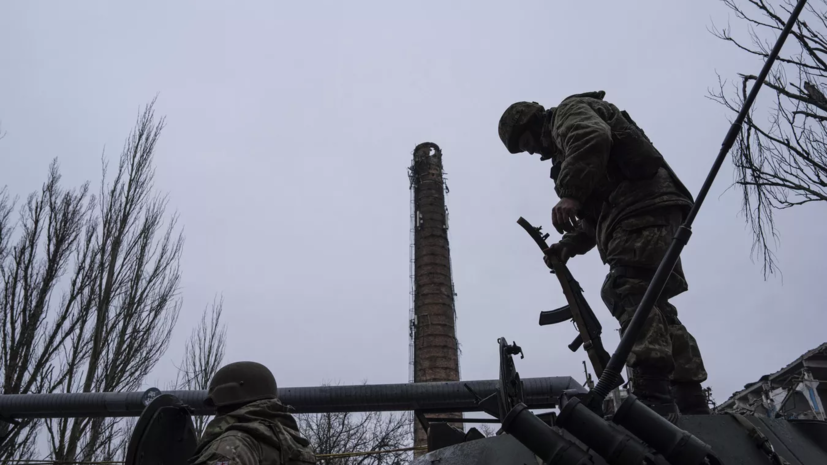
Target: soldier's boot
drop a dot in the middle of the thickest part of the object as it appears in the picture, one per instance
(655, 392)
(690, 398)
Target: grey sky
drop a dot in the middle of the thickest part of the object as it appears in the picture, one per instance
(290, 129)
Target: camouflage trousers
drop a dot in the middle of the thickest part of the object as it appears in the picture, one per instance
(634, 251)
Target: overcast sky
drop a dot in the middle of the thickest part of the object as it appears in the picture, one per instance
(290, 130)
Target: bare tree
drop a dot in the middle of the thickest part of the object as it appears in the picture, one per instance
(51, 237)
(346, 432)
(203, 355)
(781, 156)
(133, 300)
(487, 430)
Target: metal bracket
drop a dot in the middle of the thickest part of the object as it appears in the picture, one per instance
(489, 405)
(422, 420)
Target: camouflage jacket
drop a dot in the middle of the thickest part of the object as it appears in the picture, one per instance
(258, 433)
(594, 148)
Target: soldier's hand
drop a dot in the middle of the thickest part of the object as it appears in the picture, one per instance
(558, 250)
(564, 215)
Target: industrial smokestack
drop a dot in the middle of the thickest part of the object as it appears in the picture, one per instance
(434, 347)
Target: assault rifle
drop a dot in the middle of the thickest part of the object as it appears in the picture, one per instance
(577, 310)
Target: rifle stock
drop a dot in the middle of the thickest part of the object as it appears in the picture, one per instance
(577, 309)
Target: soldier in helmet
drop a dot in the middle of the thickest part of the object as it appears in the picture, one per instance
(617, 193)
(251, 426)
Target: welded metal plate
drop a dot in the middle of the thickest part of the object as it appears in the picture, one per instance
(733, 445)
(800, 443)
(497, 450)
(163, 435)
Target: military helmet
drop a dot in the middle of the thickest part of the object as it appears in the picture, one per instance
(514, 122)
(241, 383)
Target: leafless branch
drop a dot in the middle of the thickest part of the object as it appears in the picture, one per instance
(333, 433)
(781, 155)
(203, 355)
(130, 305)
(34, 324)
(90, 297)
(487, 430)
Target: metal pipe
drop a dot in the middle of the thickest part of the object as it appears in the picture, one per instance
(611, 374)
(426, 397)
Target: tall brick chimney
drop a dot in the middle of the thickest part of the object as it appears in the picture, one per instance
(434, 348)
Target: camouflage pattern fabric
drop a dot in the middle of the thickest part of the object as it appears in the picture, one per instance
(514, 121)
(634, 253)
(261, 432)
(580, 135)
(630, 211)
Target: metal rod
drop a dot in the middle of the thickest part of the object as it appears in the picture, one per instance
(611, 373)
(462, 420)
(438, 397)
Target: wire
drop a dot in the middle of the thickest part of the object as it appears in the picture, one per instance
(375, 452)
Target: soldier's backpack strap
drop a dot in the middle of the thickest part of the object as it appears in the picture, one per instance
(759, 439)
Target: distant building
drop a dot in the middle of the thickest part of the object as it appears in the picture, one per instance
(797, 391)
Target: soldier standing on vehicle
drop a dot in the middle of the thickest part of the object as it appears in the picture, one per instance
(251, 426)
(617, 193)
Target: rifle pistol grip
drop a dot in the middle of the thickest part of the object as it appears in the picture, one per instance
(576, 343)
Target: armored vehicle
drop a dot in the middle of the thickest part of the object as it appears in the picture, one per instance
(574, 434)
(591, 426)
